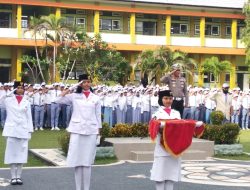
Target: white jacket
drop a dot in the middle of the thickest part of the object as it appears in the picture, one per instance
(19, 120)
(86, 116)
(161, 114)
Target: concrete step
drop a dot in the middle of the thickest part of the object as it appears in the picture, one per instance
(139, 149)
(149, 155)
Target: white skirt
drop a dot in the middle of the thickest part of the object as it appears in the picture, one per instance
(82, 150)
(166, 168)
(16, 151)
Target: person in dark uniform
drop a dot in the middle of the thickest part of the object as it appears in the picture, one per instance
(177, 84)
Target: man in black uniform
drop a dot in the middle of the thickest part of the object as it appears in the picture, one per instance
(177, 84)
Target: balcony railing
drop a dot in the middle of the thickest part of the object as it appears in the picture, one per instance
(8, 33)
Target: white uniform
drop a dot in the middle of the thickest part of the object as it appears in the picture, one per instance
(84, 127)
(18, 128)
(165, 166)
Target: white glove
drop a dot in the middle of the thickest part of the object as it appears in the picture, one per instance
(198, 123)
(162, 124)
(75, 86)
(98, 140)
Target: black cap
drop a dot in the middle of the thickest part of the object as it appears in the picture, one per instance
(83, 77)
(18, 83)
(162, 94)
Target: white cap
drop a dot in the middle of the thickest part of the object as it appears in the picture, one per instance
(225, 85)
(43, 84)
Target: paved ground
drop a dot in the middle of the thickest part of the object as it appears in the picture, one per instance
(203, 175)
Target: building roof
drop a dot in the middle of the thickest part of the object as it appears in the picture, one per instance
(234, 4)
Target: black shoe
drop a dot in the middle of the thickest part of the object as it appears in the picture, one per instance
(13, 181)
(19, 181)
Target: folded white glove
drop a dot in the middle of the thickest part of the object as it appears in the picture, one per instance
(98, 140)
(198, 124)
(75, 86)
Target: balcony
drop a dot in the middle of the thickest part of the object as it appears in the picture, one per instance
(8, 33)
(219, 43)
(185, 41)
(150, 40)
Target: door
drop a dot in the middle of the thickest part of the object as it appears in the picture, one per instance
(240, 77)
(149, 28)
(4, 74)
(246, 82)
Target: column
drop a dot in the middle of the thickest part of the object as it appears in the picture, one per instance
(96, 22)
(168, 30)
(233, 72)
(200, 74)
(19, 21)
(132, 28)
(234, 33)
(202, 31)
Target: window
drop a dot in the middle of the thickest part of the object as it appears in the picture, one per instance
(215, 30)
(197, 29)
(239, 31)
(228, 31)
(227, 77)
(5, 20)
(139, 26)
(105, 24)
(80, 12)
(116, 25)
(212, 78)
(70, 20)
(80, 22)
(183, 28)
(24, 23)
(212, 30)
(177, 28)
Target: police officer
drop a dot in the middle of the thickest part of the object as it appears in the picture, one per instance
(177, 84)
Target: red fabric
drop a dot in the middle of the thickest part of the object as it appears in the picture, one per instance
(19, 98)
(86, 93)
(177, 135)
(168, 110)
(198, 131)
(153, 129)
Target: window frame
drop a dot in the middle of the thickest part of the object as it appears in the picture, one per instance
(116, 20)
(80, 25)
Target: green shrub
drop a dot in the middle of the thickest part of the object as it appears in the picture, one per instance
(121, 130)
(105, 132)
(222, 134)
(64, 142)
(217, 117)
(139, 130)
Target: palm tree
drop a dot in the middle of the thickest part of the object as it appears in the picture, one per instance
(216, 67)
(35, 27)
(56, 31)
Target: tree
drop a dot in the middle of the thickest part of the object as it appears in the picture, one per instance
(216, 67)
(35, 28)
(55, 30)
(246, 31)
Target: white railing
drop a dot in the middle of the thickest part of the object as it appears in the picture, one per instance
(8, 33)
(240, 44)
(185, 41)
(217, 42)
(150, 40)
(116, 38)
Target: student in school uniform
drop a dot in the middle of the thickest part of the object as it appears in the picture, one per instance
(17, 130)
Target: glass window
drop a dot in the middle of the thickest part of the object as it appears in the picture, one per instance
(183, 28)
(139, 26)
(70, 20)
(5, 20)
(116, 24)
(80, 22)
(215, 30)
(175, 28)
(228, 31)
(197, 29)
(227, 77)
(106, 24)
(208, 29)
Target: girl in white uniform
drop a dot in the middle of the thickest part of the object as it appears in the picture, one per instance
(17, 130)
(166, 169)
(84, 127)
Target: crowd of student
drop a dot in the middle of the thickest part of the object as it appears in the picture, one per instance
(129, 104)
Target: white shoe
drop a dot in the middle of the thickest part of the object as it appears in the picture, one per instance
(41, 129)
(35, 129)
(53, 128)
(56, 128)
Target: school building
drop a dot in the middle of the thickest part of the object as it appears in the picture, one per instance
(202, 28)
